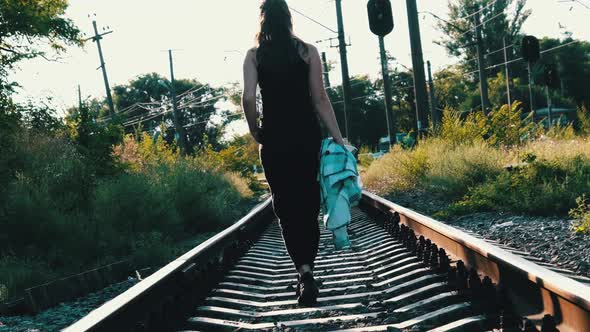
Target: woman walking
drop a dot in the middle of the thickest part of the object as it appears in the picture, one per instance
(289, 72)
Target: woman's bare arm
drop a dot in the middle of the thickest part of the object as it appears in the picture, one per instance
(249, 94)
(319, 97)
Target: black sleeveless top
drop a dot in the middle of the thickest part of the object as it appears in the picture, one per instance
(288, 114)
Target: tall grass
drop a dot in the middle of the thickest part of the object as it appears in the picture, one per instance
(467, 162)
(435, 165)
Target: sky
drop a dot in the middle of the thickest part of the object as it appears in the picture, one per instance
(209, 39)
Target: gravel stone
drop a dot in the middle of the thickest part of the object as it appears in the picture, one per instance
(64, 314)
(551, 239)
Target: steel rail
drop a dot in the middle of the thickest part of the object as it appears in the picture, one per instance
(229, 271)
(159, 300)
(533, 291)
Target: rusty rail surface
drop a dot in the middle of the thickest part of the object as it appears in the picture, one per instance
(527, 289)
(164, 298)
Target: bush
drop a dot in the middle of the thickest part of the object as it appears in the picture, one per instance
(151, 249)
(205, 199)
(457, 130)
(66, 216)
(239, 157)
(398, 170)
(542, 187)
(561, 132)
(435, 165)
(454, 169)
(49, 187)
(135, 203)
(16, 274)
(582, 214)
(505, 126)
(365, 157)
(583, 120)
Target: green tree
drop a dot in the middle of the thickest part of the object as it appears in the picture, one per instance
(452, 88)
(27, 25)
(94, 139)
(149, 94)
(573, 64)
(366, 116)
(502, 18)
(40, 117)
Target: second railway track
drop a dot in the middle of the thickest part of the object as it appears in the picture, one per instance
(406, 272)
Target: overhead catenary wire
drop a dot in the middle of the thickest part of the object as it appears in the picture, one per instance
(204, 103)
(493, 52)
(488, 5)
(313, 20)
(520, 59)
(481, 24)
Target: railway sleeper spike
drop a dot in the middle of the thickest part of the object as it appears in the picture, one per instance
(462, 276)
(433, 261)
(443, 259)
(427, 251)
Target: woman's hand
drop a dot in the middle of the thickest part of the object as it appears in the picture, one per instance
(339, 141)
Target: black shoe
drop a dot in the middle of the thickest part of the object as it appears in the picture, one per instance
(308, 290)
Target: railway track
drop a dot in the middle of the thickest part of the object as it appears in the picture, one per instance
(406, 272)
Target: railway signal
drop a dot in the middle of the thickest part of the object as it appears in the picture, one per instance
(530, 49)
(380, 17)
(381, 24)
(531, 53)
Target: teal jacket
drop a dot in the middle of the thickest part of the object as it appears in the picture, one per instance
(340, 189)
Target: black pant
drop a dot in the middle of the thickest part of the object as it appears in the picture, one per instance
(291, 171)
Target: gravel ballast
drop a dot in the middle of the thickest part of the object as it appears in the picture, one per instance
(551, 239)
(64, 314)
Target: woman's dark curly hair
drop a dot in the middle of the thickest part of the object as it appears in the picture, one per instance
(276, 24)
(276, 43)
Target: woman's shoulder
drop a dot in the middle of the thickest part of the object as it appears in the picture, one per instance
(252, 51)
(306, 50)
(251, 55)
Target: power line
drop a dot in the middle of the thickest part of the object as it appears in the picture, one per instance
(313, 20)
(491, 3)
(577, 1)
(482, 23)
(142, 117)
(492, 52)
(202, 122)
(542, 52)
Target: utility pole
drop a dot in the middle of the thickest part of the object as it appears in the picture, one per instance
(79, 99)
(434, 114)
(483, 81)
(549, 106)
(507, 73)
(83, 126)
(389, 115)
(176, 114)
(418, 66)
(97, 37)
(326, 70)
(531, 82)
(346, 89)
